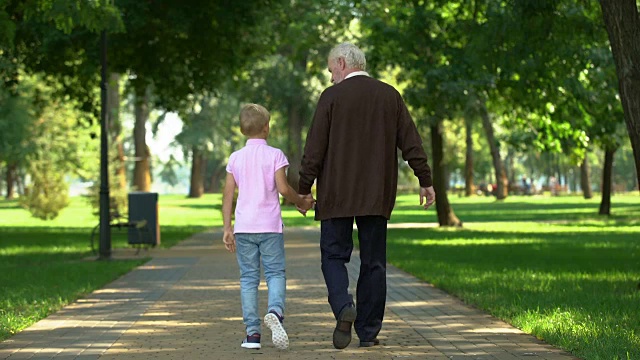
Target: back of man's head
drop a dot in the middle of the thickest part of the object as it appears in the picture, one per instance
(353, 56)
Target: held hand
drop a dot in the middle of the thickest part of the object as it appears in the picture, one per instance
(307, 203)
(229, 241)
(428, 193)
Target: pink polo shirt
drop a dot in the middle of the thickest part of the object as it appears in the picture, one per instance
(254, 169)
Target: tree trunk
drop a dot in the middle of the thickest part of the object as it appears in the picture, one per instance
(585, 178)
(622, 21)
(115, 129)
(501, 176)
(11, 172)
(446, 216)
(512, 169)
(197, 174)
(20, 179)
(215, 180)
(295, 144)
(468, 163)
(295, 110)
(141, 171)
(607, 173)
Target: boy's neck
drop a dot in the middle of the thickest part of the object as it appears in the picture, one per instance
(257, 138)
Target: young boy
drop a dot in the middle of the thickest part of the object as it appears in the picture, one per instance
(258, 170)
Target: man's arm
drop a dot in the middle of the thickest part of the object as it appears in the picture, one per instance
(227, 206)
(302, 203)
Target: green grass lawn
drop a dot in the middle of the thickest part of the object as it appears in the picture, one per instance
(572, 281)
(43, 266)
(550, 266)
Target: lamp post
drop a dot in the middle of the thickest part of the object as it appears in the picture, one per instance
(105, 230)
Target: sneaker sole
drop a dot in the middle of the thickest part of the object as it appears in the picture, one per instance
(250, 345)
(342, 332)
(279, 336)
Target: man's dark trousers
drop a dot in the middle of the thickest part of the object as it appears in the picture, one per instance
(336, 244)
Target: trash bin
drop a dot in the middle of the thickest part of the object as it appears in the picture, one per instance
(143, 218)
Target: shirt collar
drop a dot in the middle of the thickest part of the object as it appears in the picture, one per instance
(256, 142)
(357, 73)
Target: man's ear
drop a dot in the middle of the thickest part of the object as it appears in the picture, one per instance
(342, 63)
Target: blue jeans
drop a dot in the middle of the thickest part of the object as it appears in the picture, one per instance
(249, 249)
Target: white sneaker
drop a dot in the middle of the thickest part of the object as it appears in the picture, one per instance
(251, 342)
(279, 336)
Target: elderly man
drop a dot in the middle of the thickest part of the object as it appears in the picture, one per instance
(351, 149)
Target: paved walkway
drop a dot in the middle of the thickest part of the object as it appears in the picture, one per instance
(185, 304)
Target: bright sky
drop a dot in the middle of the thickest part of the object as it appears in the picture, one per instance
(161, 145)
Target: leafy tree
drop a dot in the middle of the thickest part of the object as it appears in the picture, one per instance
(58, 38)
(169, 49)
(15, 122)
(57, 147)
(603, 114)
(41, 37)
(622, 21)
(209, 136)
(174, 49)
(422, 38)
(292, 71)
(168, 174)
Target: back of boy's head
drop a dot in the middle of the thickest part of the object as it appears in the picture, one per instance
(253, 118)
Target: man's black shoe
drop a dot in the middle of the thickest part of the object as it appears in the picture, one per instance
(371, 343)
(342, 333)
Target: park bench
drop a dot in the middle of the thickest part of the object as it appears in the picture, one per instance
(140, 234)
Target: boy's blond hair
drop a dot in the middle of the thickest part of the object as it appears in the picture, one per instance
(253, 118)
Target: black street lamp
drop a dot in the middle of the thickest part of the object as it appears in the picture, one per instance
(105, 230)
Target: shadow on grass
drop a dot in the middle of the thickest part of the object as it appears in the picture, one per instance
(202, 206)
(545, 252)
(65, 243)
(9, 204)
(519, 211)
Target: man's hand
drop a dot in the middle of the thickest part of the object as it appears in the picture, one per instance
(229, 241)
(307, 203)
(428, 193)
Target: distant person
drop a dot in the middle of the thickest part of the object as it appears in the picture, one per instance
(526, 188)
(351, 149)
(258, 171)
(553, 186)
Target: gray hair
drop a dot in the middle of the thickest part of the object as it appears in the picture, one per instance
(353, 56)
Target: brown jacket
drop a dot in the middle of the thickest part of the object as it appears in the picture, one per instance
(351, 149)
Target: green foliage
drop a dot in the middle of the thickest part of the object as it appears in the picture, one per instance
(58, 38)
(48, 192)
(118, 197)
(168, 173)
(16, 118)
(7, 27)
(211, 126)
(68, 15)
(186, 48)
(48, 144)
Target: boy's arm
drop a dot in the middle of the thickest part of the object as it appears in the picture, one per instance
(289, 193)
(227, 206)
